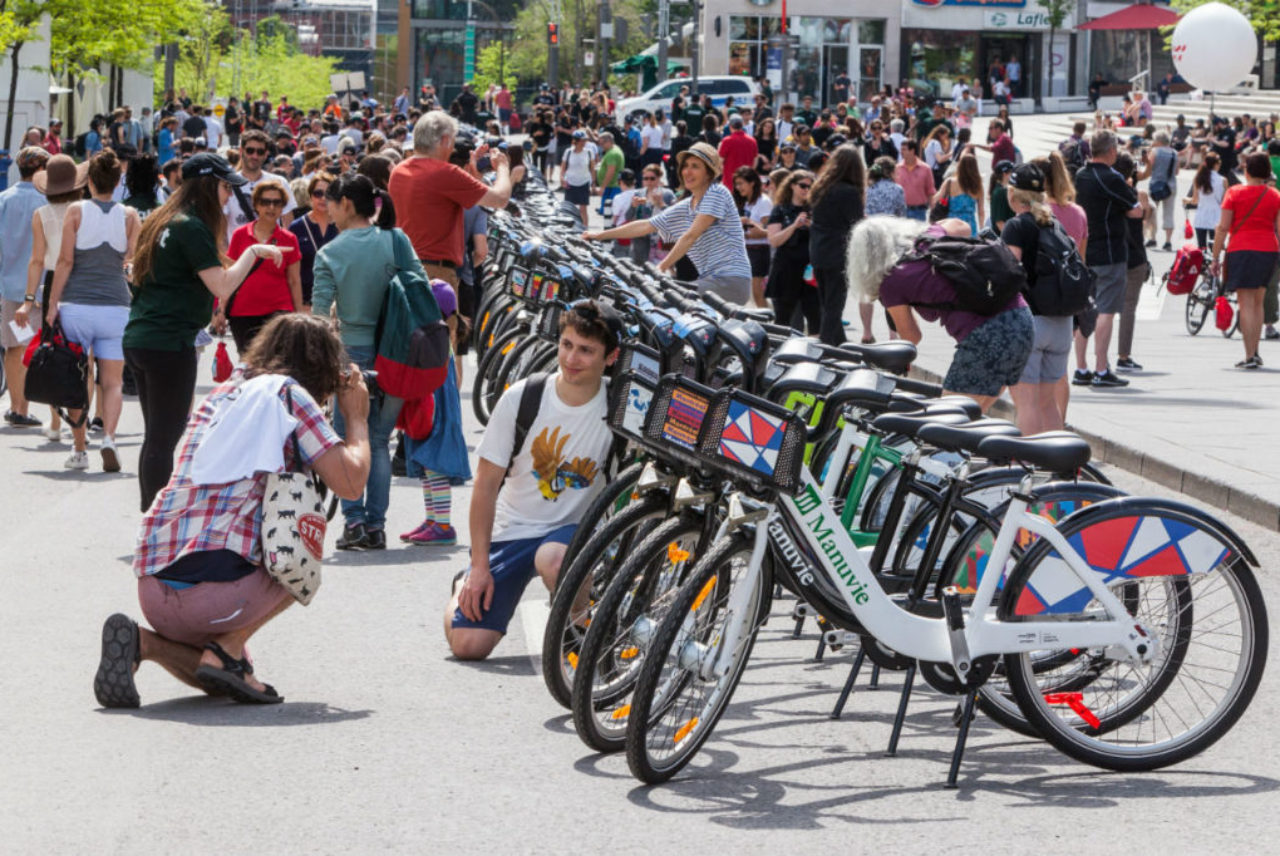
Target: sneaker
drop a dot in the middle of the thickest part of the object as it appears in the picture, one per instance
(96, 425)
(1125, 364)
(113, 684)
(22, 420)
(353, 537)
(407, 537)
(1168, 247)
(110, 459)
(1082, 377)
(434, 535)
(77, 461)
(53, 435)
(1272, 333)
(375, 539)
(1151, 243)
(1108, 378)
(1251, 363)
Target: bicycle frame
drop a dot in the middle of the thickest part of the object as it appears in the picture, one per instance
(931, 639)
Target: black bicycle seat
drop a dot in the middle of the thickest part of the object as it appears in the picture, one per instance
(965, 438)
(863, 388)
(895, 357)
(804, 377)
(797, 350)
(1056, 451)
(909, 424)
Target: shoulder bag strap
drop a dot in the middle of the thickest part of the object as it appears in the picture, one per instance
(293, 435)
(1236, 226)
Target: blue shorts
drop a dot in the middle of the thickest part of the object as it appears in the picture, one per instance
(511, 563)
(99, 329)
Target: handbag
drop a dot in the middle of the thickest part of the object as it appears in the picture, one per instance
(293, 526)
(940, 209)
(1223, 314)
(1187, 231)
(58, 374)
(222, 366)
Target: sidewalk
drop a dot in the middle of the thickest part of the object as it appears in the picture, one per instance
(1189, 420)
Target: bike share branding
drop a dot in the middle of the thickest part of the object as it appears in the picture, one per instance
(684, 417)
(809, 502)
(640, 394)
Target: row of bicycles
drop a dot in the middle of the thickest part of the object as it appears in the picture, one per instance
(754, 466)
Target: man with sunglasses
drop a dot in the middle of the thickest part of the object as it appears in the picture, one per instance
(255, 148)
(526, 502)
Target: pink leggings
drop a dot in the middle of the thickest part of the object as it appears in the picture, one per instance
(195, 615)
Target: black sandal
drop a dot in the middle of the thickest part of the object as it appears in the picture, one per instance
(229, 680)
(121, 652)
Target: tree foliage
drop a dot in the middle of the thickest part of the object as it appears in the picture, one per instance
(493, 65)
(527, 58)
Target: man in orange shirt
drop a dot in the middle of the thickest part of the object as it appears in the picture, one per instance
(430, 194)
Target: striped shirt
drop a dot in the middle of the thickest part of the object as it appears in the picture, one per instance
(722, 249)
(188, 518)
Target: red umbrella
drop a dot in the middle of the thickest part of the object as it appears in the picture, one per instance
(1136, 17)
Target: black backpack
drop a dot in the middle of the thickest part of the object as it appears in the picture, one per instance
(1072, 154)
(1063, 282)
(530, 404)
(985, 275)
(79, 146)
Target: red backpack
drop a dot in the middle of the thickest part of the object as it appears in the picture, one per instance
(1188, 264)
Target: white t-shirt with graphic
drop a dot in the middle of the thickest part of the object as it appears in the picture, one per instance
(559, 470)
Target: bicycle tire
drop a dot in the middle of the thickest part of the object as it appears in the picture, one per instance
(612, 654)
(612, 498)
(1162, 695)
(562, 638)
(1197, 310)
(486, 374)
(1235, 319)
(697, 613)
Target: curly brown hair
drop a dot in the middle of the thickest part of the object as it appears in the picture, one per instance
(304, 347)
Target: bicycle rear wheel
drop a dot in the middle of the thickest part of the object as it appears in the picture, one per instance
(1198, 303)
(1198, 597)
(675, 708)
(613, 653)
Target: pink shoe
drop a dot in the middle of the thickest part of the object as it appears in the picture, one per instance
(434, 535)
(408, 537)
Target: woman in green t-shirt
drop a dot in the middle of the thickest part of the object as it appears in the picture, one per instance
(178, 270)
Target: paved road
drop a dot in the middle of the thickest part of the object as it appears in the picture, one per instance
(387, 745)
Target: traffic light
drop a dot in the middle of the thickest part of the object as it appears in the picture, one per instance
(553, 34)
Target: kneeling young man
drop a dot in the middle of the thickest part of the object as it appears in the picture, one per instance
(522, 520)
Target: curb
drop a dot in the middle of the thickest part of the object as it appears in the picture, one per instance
(1241, 503)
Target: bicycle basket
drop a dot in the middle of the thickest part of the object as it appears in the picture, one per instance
(631, 391)
(673, 425)
(518, 282)
(746, 437)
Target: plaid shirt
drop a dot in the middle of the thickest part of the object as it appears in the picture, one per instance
(186, 518)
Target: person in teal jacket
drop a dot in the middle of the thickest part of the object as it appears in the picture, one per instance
(351, 276)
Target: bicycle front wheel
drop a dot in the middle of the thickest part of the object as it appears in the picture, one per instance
(1199, 599)
(1198, 303)
(679, 697)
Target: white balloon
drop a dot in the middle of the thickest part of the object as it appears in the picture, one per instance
(1214, 47)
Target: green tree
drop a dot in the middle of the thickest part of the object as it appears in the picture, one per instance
(1056, 11)
(493, 67)
(18, 22)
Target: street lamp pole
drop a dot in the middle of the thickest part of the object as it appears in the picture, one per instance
(664, 34)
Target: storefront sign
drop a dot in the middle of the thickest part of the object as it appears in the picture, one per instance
(1015, 20)
(1001, 4)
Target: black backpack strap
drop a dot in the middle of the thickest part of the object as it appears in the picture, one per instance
(530, 404)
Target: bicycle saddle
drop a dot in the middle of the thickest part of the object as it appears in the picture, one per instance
(909, 424)
(747, 338)
(1055, 451)
(796, 350)
(805, 377)
(894, 357)
(965, 438)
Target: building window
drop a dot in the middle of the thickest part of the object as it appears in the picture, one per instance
(935, 59)
(749, 43)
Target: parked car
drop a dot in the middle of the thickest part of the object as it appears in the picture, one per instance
(741, 89)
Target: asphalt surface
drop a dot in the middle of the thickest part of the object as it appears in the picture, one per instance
(385, 744)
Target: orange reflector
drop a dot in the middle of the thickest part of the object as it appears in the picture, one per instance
(628, 653)
(702, 595)
(684, 730)
(622, 712)
(675, 554)
(572, 660)
(506, 349)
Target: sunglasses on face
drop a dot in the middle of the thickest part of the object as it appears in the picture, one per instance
(318, 193)
(271, 203)
(804, 186)
(255, 151)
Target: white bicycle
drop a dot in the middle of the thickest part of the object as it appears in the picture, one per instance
(1132, 634)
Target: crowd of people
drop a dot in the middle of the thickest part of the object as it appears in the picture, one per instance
(283, 226)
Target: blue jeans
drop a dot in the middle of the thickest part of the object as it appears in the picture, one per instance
(371, 509)
(920, 213)
(607, 194)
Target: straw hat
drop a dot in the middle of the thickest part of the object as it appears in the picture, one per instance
(61, 175)
(704, 153)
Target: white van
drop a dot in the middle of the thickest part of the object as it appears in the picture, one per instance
(741, 89)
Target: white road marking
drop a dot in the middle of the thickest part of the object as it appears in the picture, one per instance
(534, 613)
(1151, 302)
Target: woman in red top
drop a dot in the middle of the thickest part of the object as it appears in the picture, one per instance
(269, 289)
(1249, 226)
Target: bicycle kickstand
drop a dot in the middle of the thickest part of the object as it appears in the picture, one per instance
(874, 683)
(901, 717)
(969, 699)
(848, 684)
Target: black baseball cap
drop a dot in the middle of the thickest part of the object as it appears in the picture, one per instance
(1003, 166)
(1028, 176)
(598, 310)
(211, 164)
